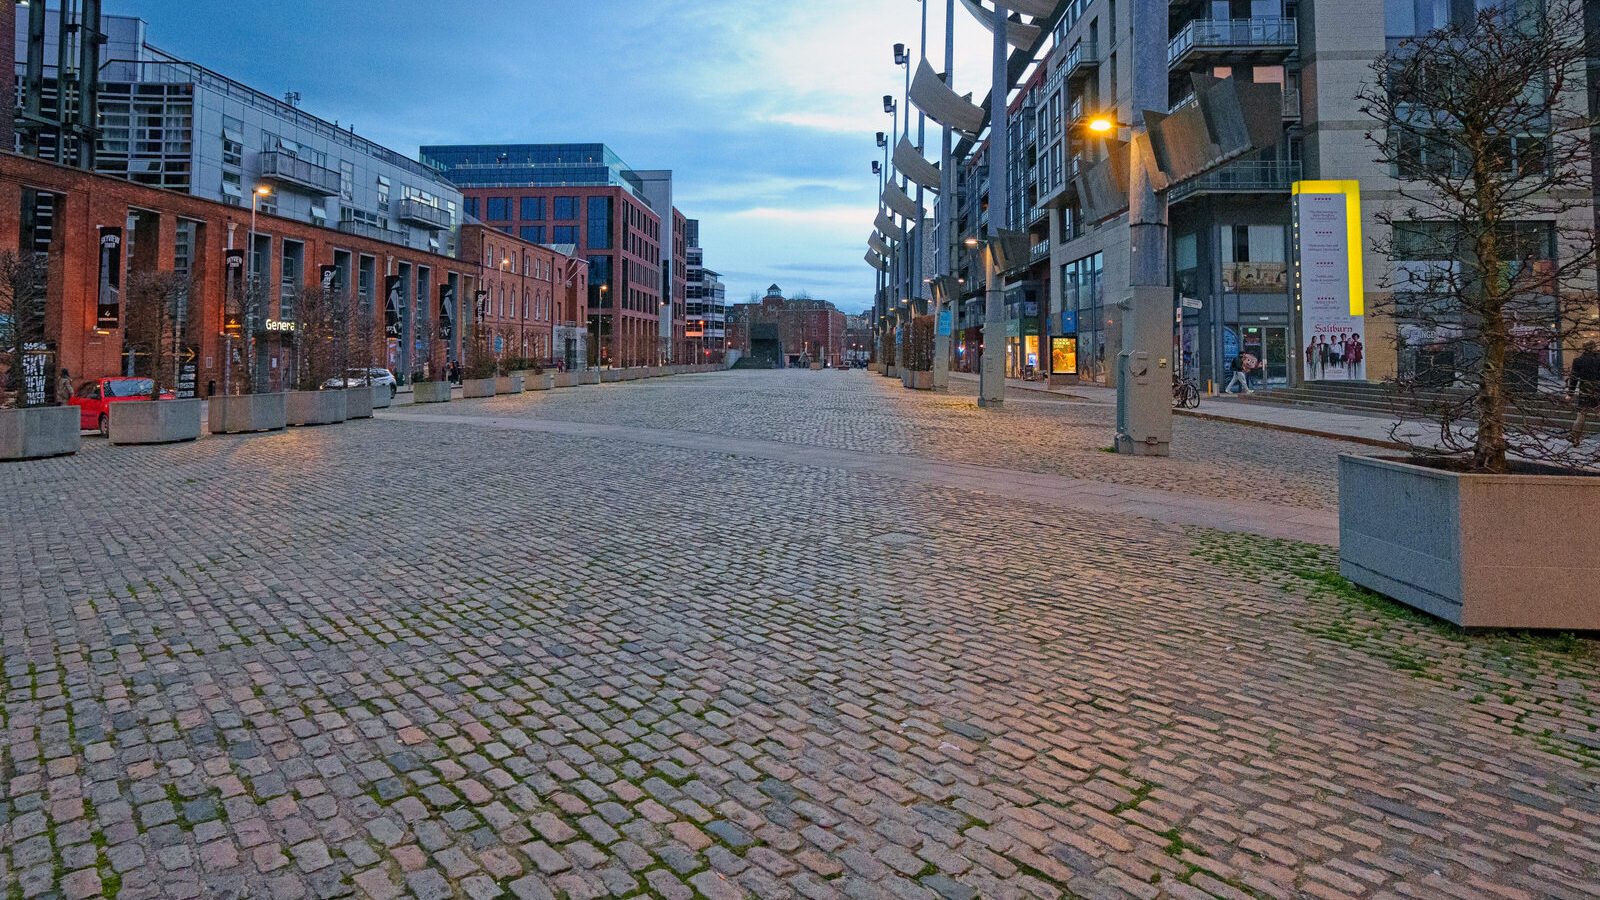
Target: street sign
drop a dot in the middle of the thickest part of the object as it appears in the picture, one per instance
(1190, 302)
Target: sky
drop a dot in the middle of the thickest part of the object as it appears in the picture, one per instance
(764, 109)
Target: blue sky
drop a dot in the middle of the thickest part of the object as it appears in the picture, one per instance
(764, 109)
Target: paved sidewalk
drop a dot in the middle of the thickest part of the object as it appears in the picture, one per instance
(1372, 431)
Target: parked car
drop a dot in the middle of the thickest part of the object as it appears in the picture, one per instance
(354, 378)
(94, 398)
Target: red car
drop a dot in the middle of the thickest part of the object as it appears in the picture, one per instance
(94, 398)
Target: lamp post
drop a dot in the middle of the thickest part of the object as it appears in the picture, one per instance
(943, 335)
(991, 374)
(251, 293)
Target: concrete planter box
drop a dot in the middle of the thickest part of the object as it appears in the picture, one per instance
(40, 431)
(430, 392)
(610, 376)
(381, 398)
(542, 382)
(891, 371)
(816, 367)
(477, 388)
(154, 421)
(246, 413)
(921, 381)
(509, 384)
(564, 379)
(315, 407)
(357, 403)
(1482, 551)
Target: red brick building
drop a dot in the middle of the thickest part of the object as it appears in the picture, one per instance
(530, 299)
(404, 295)
(615, 232)
(791, 332)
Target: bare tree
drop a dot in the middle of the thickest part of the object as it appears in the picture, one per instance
(1484, 124)
(919, 344)
(154, 304)
(23, 278)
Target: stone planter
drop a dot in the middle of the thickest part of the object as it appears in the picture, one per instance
(246, 413)
(1482, 551)
(509, 384)
(477, 388)
(381, 398)
(610, 376)
(543, 381)
(154, 421)
(922, 381)
(816, 367)
(430, 392)
(891, 371)
(39, 431)
(315, 407)
(357, 403)
(564, 379)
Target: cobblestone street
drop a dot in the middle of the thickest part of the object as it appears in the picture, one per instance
(663, 638)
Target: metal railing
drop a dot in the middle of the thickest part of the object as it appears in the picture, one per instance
(1291, 102)
(1039, 251)
(369, 230)
(419, 213)
(1212, 34)
(280, 166)
(1084, 55)
(1246, 176)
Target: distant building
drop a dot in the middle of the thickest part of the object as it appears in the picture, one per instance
(620, 219)
(858, 339)
(706, 317)
(781, 332)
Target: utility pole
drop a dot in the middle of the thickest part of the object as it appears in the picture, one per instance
(1144, 366)
(991, 375)
(947, 216)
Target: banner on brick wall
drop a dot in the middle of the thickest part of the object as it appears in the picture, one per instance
(392, 304)
(233, 293)
(108, 304)
(447, 312)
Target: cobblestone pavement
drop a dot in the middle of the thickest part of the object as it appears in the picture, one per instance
(395, 658)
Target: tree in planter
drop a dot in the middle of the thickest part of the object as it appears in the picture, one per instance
(1482, 123)
(23, 277)
(481, 361)
(361, 324)
(316, 326)
(154, 301)
(920, 344)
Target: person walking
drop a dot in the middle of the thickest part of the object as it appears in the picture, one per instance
(63, 387)
(1584, 385)
(1241, 377)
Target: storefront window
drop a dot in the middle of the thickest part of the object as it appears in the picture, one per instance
(1254, 259)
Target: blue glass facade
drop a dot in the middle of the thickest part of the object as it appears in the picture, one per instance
(493, 165)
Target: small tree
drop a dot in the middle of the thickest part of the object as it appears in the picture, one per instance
(23, 278)
(920, 344)
(360, 338)
(481, 361)
(1483, 123)
(153, 306)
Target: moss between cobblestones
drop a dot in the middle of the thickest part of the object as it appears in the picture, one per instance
(1510, 666)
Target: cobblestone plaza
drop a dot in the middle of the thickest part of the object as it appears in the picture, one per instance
(771, 634)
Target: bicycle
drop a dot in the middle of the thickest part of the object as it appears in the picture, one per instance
(1185, 394)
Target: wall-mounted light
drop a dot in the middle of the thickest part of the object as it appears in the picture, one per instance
(888, 104)
(901, 55)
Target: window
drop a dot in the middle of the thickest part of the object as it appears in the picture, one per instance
(599, 224)
(533, 209)
(1254, 259)
(290, 278)
(533, 234)
(347, 180)
(565, 234)
(472, 206)
(383, 194)
(499, 209)
(566, 209)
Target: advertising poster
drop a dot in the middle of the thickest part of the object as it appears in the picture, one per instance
(392, 304)
(108, 305)
(1328, 280)
(447, 313)
(233, 290)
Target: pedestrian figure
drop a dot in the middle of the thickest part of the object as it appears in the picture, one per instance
(63, 388)
(1584, 385)
(1240, 377)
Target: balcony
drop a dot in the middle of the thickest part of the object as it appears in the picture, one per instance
(1205, 42)
(369, 230)
(1291, 103)
(1039, 251)
(1082, 59)
(294, 172)
(1246, 176)
(414, 212)
(1036, 215)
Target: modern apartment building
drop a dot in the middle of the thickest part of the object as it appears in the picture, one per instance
(170, 123)
(1232, 242)
(586, 196)
(706, 301)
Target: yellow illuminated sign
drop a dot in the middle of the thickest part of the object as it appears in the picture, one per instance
(1352, 219)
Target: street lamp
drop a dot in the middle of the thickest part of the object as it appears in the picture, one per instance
(261, 190)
